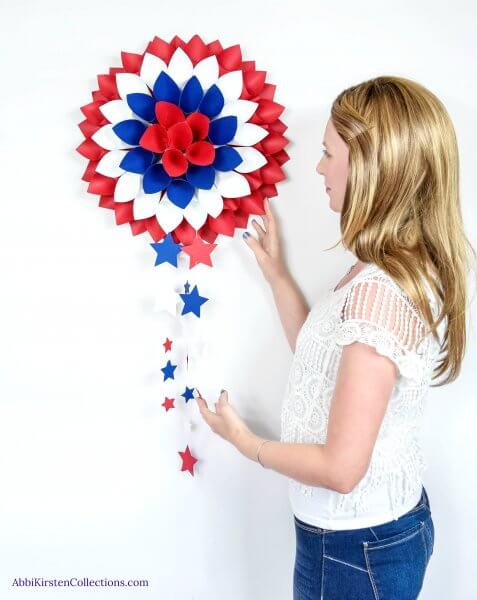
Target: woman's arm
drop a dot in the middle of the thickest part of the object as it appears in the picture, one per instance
(290, 302)
(291, 305)
(364, 385)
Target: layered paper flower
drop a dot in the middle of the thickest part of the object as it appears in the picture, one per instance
(185, 139)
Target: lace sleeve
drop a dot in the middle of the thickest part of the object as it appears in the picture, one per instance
(379, 314)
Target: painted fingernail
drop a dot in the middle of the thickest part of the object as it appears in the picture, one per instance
(246, 234)
(222, 391)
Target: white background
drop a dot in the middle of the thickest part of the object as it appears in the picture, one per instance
(90, 476)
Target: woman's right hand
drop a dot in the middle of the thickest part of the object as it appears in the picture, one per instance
(267, 248)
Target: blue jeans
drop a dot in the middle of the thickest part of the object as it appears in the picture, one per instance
(383, 562)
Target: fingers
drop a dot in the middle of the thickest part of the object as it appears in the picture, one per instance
(255, 245)
(259, 229)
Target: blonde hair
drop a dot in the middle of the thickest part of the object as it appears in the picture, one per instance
(401, 208)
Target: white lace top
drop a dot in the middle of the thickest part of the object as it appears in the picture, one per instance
(373, 309)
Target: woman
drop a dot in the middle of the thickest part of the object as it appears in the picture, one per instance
(367, 352)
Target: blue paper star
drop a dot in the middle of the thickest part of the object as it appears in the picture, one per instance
(193, 302)
(167, 251)
(186, 287)
(188, 394)
(168, 370)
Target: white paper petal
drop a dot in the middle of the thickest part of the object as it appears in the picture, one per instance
(242, 109)
(129, 83)
(231, 184)
(168, 215)
(151, 68)
(116, 111)
(195, 213)
(109, 163)
(252, 159)
(248, 134)
(106, 138)
(231, 85)
(207, 71)
(145, 205)
(127, 187)
(211, 200)
(180, 67)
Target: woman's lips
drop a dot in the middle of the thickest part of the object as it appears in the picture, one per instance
(328, 189)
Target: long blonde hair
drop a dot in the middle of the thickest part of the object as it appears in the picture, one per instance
(401, 208)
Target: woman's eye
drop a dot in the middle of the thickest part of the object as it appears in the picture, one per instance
(325, 151)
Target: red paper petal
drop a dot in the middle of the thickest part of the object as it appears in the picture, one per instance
(281, 157)
(106, 202)
(168, 114)
(253, 203)
(92, 113)
(138, 227)
(254, 179)
(254, 81)
(199, 125)
(278, 127)
(230, 58)
(124, 212)
(155, 230)
(269, 111)
(274, 142)
(155, 138)
(201, 153)
(180, 136)
(131, 62)
(91, 150)
(90, 171)
(224, 223)
(161, 49)
(102, 185)
(175, 163)
(185, 232)
(107, 86)
(272, 172)
(269, 190)
(207, 234)
(196, 49)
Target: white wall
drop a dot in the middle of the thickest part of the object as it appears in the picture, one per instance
(90, 480)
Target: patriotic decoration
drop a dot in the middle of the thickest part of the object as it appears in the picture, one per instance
(184, 142)
(184, 139)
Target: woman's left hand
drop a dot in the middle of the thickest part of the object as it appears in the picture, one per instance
(225, 421)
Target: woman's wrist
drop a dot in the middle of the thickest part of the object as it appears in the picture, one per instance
(247, 443)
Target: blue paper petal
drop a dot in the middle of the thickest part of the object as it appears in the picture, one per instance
(155, 179)
(212, 103)
(142, 105)
(191, 95)
(222, 130)
(180, 192)
(137, 160)
(226, 159)
(165, 88)
(201, 177)
(130, 131)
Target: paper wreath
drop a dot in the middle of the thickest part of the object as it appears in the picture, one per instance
(184, 138)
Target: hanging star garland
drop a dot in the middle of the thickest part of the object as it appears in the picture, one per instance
(188, 394)
(199, 252)
(188, 461)
(192, 302)
(167, 345)
(168, 403)
(168, 370)
(167, 251)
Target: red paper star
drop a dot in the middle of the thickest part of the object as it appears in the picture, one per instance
(168, 403)
(188, 461)
(167, 345)
(199, 252)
